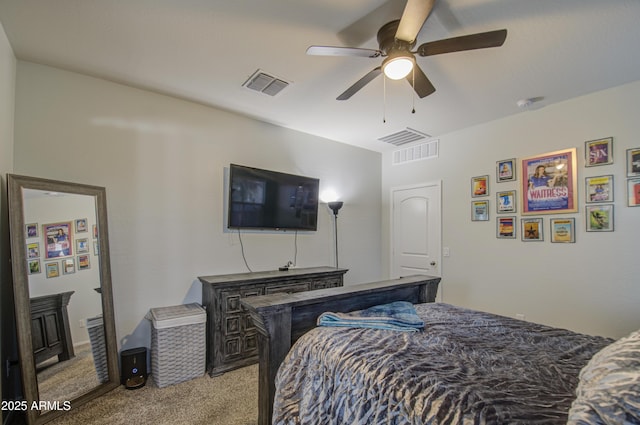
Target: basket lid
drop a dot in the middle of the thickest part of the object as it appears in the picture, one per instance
(92, 322)
(178, 315)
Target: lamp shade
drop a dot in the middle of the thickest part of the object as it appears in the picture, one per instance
(398, 67)
(335, 206)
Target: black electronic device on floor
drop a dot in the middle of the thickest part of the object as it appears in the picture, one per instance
(133, 366)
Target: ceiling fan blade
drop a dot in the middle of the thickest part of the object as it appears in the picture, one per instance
(343, 51)
(422, 85)
(360, 84)
(465, 42)
(413, 17)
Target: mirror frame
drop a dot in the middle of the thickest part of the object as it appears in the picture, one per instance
(16, 184)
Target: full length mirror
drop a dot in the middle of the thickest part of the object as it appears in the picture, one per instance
(62, 290)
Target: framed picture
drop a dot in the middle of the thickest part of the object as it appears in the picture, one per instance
(506, 202)
(52, 269)
(506, 227)
(96, 249)
(599, 189)
(598, 152)
(563, 230)
(82, 246)
(83, 262)
(479, 210)
(506, 170)
(81, 225)
(59, 239)
(34, 266)
(480, 186)
(633, 162)
(599, 218)
(33, 250)
(95, 231)
(31, 230)
(532, 229)
(633, 192)
(68, 266)
(549, 183)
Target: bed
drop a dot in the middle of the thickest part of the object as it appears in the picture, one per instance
(465, 367)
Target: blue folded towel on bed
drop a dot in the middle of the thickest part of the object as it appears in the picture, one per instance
(396, 316)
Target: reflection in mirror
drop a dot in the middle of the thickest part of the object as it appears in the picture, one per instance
(62, 262)
(62, 292)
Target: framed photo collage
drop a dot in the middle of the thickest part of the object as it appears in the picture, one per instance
(63, 247)
(548, 185)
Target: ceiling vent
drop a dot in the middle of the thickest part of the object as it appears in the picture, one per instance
(403, 137)
(265, 83)
(428, 150)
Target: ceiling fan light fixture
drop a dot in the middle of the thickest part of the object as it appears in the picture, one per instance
(398, 66)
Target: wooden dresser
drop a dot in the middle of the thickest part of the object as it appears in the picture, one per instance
(231, 334)
(50, 330)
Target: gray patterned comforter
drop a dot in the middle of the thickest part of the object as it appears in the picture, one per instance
(467, 367)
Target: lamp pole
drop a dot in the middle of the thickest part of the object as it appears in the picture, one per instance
(335, 207)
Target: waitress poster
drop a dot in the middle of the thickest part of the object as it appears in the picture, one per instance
(58, 237)
(549, 183)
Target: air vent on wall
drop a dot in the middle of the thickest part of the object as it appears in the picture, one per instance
(265, 83)
(403, 137)
(427, 150)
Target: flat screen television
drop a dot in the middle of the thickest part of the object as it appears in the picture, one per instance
(263, 199)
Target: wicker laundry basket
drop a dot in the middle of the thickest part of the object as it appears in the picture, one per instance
(178, 343)
(95, 328)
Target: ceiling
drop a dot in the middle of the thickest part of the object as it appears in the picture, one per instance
(204, 50)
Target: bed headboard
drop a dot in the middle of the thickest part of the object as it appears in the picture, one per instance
(282, 318)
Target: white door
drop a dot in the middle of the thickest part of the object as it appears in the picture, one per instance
(416, 230)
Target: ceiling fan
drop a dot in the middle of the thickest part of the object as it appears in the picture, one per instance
(397, 38)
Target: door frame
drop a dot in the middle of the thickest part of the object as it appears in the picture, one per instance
(436, 183)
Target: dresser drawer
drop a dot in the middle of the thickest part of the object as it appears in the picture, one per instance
(331, 282)
(288, 289)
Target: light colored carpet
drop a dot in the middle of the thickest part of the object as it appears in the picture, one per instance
(60, 381)
(229, 399)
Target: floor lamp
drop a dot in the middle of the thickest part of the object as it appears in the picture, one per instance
(335, 207)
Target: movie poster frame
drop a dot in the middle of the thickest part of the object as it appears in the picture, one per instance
(510, 175)
(31, 230)
(607, 143)
(53, 269)
(511, 194)
(50, 245)
(569, 223)
(633, 195)
(475, 216)
(480, 181)
(540, 227)
(633, 170)
(500, 234)
(590, 182)
(571, 199)
(33, 265)
(590, 209)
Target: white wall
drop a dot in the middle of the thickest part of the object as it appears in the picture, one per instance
(162, 162)
(591, 286)
(7, 90)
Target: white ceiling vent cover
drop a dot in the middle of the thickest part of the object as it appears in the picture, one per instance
(265, 83)
(428, 150)
(403, 137)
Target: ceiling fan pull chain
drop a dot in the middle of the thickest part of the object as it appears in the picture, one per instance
(413, 92)
(384, 98)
